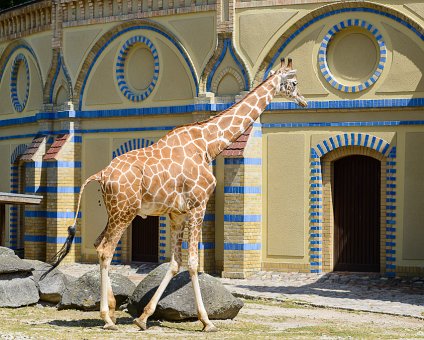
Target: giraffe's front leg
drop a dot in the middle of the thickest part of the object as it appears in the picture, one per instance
(151, 306)
(176, 241)
(193, 263)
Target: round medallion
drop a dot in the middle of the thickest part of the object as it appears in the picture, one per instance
(352, 55)
(137, 68)
(19, 82)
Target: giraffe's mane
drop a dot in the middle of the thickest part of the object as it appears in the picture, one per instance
(222, 112)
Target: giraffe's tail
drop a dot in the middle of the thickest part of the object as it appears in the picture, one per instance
(56, 259)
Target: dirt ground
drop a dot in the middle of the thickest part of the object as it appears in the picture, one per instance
(257, 320)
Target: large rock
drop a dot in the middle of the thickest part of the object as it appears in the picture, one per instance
(17, 285)
(52, 285)
(6, 251)
(84, 293)
(17, 289)
(178, 303)
(10, 263)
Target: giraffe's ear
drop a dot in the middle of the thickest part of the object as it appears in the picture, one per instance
(290, 63)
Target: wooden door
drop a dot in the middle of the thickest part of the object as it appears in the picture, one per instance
(145, 239)
(356, 202)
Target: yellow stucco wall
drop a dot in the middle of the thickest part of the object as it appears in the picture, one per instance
(259, 30)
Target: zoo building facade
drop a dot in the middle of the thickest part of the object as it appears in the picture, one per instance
(336, 186)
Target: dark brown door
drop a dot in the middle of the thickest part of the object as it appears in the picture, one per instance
(145, 239)
(356, 202)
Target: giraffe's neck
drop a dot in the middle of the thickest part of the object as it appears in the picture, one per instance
(225, 128)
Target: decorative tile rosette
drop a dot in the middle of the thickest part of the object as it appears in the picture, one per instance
(121, 77)
(322, 55)
(18, 104)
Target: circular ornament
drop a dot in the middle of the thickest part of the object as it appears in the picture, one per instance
(137, 68)
(352, 55)
(19, 95)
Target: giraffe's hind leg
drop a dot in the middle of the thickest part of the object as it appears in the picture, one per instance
(105, 246)
(174, 265)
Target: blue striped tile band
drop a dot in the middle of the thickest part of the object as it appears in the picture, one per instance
(129, 93)
(54, 164)
(242, 218)
(17, 103)
(49, 239)
(250, 161)
(243, 190)
(201, 246)
(242, 246)
(322, 55)
(53, 190)
(186, 109)
(390, 215)
(51, 214)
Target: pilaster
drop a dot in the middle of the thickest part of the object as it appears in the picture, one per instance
(63, 163)
(243, 209)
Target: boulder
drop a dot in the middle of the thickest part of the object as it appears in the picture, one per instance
(18, 289)
(10, 263)
(51, 286)
(178, 303)
(84, 293)
(6, 251)
(17, 285)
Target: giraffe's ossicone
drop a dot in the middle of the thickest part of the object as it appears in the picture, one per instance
(174, 177)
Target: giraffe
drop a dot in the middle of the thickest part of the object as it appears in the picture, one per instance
(174, 177)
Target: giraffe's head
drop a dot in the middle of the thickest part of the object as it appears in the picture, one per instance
(288, 83)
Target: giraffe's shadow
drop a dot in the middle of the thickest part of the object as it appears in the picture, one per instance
(84, 323)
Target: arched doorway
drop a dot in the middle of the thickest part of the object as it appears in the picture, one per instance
(356, 207)
(145, 239)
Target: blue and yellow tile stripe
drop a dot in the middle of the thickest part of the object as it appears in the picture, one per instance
(129, 93)
(391, 223)
(19, 103)
(322, 55)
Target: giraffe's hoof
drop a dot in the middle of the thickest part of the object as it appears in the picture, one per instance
(141, 324)
(210, 328)
(110, 327)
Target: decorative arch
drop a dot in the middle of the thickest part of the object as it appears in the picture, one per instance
(58, 65)
(19, 151)
(341, 145)
(131, 144)
(11, 49)
(17, 183)
(324, 12)
(224, 45)
(228, 70)
(113, 34)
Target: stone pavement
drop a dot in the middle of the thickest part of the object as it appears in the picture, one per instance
(352, 291)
